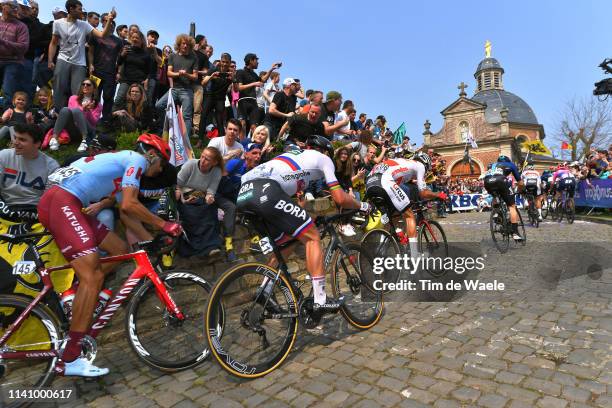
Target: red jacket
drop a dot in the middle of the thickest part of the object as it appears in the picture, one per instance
(14, 41)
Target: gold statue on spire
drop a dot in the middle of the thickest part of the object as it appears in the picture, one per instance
(488, 49)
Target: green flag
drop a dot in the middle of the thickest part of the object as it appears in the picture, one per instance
(398, 135)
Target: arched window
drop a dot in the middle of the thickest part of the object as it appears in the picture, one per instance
(464, 130)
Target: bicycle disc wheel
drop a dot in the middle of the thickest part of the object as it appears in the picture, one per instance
(158, 337)
(570, 210)
(499, 230)
(379, 244)
(39, 332)
(363, 307)
(261, 320)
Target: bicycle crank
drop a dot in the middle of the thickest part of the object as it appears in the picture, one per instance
(308, 318)
(354, 282)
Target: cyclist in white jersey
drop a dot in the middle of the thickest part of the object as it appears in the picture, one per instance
(401, 181)
(533, 184)
(267, 190)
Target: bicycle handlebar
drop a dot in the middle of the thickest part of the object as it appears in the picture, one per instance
(160, 245)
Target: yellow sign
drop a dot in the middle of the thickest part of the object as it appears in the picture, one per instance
(537, 147)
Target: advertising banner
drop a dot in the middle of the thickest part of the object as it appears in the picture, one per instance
(598, 194)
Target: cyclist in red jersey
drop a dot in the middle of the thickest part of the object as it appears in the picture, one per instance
(79, 235)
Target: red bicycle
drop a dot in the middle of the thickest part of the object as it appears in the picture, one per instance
(164, 318)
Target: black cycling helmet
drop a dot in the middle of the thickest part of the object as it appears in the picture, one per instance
(504, 158)
(423, 158)
(322, 144)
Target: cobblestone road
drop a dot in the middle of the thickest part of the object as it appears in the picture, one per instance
(545, 341)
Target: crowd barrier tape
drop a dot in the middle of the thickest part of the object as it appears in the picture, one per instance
(467, 202)
(598, 194)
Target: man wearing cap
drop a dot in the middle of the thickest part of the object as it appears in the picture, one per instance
(70, 34)
(282, 107)
(248, 80)
(14, 42)
(332, 104)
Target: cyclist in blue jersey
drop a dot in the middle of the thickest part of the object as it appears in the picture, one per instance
(78, 235)
(497, 181)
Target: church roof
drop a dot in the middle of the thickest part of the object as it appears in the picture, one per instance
(497, 99)
(488, 63)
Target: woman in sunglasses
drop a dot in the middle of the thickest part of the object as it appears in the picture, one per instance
(80, 117)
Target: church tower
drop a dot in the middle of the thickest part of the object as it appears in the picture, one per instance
(489, 73)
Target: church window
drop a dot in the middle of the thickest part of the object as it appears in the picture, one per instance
(487, 80)
(496, 80)
(479, 83)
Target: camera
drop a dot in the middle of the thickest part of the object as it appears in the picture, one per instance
(386, 143)
(224, 74)
(280, 64)
(604, 87)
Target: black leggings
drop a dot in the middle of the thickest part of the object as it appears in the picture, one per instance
(209, 103)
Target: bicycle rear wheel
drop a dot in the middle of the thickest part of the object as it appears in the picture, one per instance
(545, 208)
(498, 223)
(39, 332)
(570, 210)
(379, 244)
(158, 337)
(521, 228)
(261, 320)
(363, 307)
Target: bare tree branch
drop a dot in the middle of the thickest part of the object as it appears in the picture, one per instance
(585, 123)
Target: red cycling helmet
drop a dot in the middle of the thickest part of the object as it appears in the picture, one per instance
(148, 140)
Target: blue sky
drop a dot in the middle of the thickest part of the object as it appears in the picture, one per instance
(403, 59)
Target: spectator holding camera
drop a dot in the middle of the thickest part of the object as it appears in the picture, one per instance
(282, 107)
(103, 55)
(136, 63)
(332, 104)
(248, 80)
(70, 34)
(215, 87)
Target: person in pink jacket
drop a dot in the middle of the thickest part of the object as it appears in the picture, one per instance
(80, 116)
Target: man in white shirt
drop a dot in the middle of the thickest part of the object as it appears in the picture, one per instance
(227, 145)
(345, 132)
(70, 34)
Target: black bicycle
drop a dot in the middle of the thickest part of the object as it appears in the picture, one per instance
(501, 228)
(262, 305)
(532, 211)
(391, 241)
(565, 206)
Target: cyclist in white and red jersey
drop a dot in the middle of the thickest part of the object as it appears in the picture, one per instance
(533, 184)
(267, 190)
(79, 235)
(400, 182)
(563, 179)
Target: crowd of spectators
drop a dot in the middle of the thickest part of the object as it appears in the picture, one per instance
(78, 78)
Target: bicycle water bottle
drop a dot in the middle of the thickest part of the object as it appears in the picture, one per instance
(103, 298)
(66, 300)
(402, 237)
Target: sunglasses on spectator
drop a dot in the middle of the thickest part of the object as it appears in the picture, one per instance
(87, 84)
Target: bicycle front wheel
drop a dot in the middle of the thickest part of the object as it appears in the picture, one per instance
(40, 332)
(363, 307)
(379, 244)
(545, 207)
(156, 335)
(261, 320)
(499, 230)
